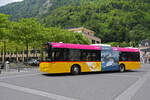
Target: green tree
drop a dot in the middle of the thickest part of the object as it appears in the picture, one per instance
(53, 34)
(4, 31)
(4, 26)
(27, 31)
(112, 20)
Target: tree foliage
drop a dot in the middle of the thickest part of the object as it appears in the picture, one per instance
(24, 9)
(4, 26)
(33, 8)
(29, 33)
(113, 20)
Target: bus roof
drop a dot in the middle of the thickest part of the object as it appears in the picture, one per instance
(90, 47)
(75, 46)
(129, 49)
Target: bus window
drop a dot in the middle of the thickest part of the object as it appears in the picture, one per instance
(59, 54)
(75, 55)
(123, 56)
(135, 56)
(129, 56)
(90, 55)
(83, 55)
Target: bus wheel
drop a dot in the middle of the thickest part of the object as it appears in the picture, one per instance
(75, 70)
(121, 68)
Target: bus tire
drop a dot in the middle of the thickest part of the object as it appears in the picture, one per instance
(75, 70)
(122, 68)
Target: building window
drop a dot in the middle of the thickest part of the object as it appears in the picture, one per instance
(146, 44)
(93, 41)
(79, 31)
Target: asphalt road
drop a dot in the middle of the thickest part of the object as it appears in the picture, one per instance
(33, 85)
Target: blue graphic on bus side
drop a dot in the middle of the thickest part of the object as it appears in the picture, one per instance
(109, 58)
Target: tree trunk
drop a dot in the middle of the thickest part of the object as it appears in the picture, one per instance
(16, 54)
(4, 50)
(23, 56)
(3, 61)
(27, 48)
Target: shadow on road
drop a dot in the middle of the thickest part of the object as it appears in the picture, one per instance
(91, 73)
(57, 75)
(131, 71)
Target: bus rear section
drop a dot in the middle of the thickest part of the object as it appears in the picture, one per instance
(129, 58)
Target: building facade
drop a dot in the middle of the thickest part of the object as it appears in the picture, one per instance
(145, 51)
(89, 34)
(19, 56)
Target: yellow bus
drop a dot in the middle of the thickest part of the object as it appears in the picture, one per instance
(77, 58)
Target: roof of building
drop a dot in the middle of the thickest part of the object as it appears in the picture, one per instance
(81, 29)
(145, 43)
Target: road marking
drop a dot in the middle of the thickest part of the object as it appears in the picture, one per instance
(131, 91)
(17, 76)
(35, 92)
(123, 76)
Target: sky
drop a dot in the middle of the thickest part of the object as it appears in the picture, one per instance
(4, 2)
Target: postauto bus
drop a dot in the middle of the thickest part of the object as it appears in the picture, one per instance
(77, 58)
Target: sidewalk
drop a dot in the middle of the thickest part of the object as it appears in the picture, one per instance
(14, 71)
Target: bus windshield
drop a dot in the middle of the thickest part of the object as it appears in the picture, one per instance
(46, 53)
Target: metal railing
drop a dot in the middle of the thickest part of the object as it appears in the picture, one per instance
(17, 67)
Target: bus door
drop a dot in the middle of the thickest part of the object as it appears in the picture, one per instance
(109, 58)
